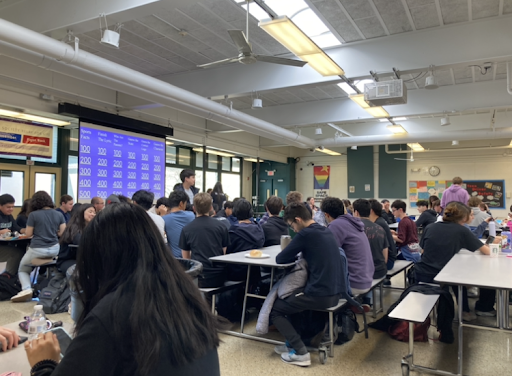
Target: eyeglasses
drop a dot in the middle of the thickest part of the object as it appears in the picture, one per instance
(290, 224)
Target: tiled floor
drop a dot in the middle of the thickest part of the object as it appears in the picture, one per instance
(485, 352)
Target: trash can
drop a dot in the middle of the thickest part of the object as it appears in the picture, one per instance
(76, 303)
(192, 268)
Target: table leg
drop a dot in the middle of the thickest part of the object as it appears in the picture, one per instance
(245, 299)
(271, 278)
(499, 303)
(506, 309)
(459, 365)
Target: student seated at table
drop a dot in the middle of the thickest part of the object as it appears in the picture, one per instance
(436, 206)
(142, 314)
(349, 233)
(244, 236)
(178, 218)
(387, 214)
(72, 235)
(407, 235)
(22, 217)
(479, 230)
(324, 284)
(9, 252)
(376, 217)
(275, 227)
(66, 205)
(441, 241)
(203, 238)
(45, 225)
(479, 215)
(427, 216)
(144, 199)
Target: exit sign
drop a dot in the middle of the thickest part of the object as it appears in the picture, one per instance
(270, 173)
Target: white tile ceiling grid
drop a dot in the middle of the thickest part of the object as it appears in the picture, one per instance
(153, 44)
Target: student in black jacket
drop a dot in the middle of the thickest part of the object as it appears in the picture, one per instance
(9, 252)
(387, 214)
(275, 226)
(427, 216)
(142, 314)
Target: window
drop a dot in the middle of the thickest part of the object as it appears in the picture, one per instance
(235, 164)
(231, 185)
(212, 161)
(199, 160)
(73, 140)
(226, 164)
(72, 176)
(170, 154)
(12, 182)
(45, 182)
(211, 179)
(184, 157)
(172, 177)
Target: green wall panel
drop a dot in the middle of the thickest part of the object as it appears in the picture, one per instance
(392, 173)
(360, 172)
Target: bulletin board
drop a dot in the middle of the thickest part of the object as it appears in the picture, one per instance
(423, 189)
(491, 192)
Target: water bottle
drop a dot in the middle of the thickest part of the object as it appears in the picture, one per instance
(492, 228)
(36, 322)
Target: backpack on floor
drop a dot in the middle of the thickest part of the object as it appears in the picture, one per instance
(400, 331)
(55, 297)
(9, 286)
(347, 326)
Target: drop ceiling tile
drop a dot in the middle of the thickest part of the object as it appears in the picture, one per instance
(425, 16)
(459, 81)
(182, 62)
(410, 86)
(501, 68)
(140, 30)
(182, 51)
(226, 9)
(394, 16)
(500, 76)
(485, 8)
(212, 54)
(247, 100)
(125, 63)
(172, 17)
(154, 59)
(338, 20)
(302, 94)
(358, 9)
(419, 3)
(199, 14)
(454, 11)
(318, 93)
(459, 73)
(371, 27)
(272, 97)
(507, 6)
(212, 40)
(484, 77)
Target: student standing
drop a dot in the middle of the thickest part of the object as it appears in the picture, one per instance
(455, 193)
(188, 182)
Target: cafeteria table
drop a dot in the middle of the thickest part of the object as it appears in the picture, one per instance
(475, 269)
(269, 262)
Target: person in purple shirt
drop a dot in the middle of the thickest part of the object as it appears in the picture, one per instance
(455, 193)
(349, 232)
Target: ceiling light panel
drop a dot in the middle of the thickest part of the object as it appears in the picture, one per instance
(327, 151)
(216, 152)
(374, 111)
(416, 146)
(34, 118)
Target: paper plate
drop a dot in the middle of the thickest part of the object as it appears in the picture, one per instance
(264, 255)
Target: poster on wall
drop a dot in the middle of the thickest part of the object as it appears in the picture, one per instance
(26, 139)
(423, 189)
(321, 177)
(491, 192)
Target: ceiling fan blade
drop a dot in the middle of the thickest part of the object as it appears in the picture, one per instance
(220, 62)
(403, 159)
(280, 60)
(240, 41)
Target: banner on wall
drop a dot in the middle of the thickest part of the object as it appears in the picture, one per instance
(491, 192)
(26, 139)
(321, 178)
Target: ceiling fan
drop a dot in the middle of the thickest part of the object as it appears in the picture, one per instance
(245, 54)
(407, 159)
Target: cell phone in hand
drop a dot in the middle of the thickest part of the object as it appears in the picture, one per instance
(64, 339)
(22, 339)
(489, 240)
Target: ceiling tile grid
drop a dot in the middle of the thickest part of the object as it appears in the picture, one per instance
(454, 11)
(394, 15)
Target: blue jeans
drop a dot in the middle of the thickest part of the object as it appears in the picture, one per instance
(32, 253)
(409, 255)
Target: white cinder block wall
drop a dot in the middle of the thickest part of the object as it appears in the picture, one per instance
(470, 165)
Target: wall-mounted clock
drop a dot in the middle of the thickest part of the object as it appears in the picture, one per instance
(434, 171)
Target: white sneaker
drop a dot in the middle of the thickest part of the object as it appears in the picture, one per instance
(296, 359)
(468, 316)
(473, 292)
(486, 313)
(23, 296)
(282, 349)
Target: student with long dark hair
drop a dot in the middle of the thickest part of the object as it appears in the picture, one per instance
(218, 195)
(142, 314)
(71, 236)
(22, 218)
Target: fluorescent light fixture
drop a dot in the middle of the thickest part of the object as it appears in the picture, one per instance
(215, 152)
(339, 129)
(353, 147)
(318, 131)
(396, 128)
(289, 35)
(399, 118)
(416, 147)
(510, 143)
(376, 111)
(255, 160)
(169, 143)
(455, 143)
(37, 119)
(347, 88)
(327, 151)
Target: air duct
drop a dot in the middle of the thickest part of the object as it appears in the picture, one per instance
(56, 56)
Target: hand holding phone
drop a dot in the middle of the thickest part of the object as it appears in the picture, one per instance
(489, 240)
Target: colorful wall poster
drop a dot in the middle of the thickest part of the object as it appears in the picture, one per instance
(423, 189)
(321, 179)
(26, 139)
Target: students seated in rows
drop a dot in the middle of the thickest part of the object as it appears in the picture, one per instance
(275, 227)
(22, 217)
(72, 235)
(349, 233)
(142, 314)
(228, 208)
(436, 206)
(376, 217)
(324, 284)
(144, 199)
(244, 236)
(66, 205)
(311, 202)
(176, 220)
(203, 238)
(427, 216)
(9, 252)
(98, 203)
(479, 215)
(441, 241)
(387, 214)
(45, 225)
(407, 235)
(162, 207)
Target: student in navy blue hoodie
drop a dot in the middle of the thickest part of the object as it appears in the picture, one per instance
(244, 236)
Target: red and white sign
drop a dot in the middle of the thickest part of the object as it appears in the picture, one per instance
(26, 139)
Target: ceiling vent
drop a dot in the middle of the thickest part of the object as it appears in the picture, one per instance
(385, 93)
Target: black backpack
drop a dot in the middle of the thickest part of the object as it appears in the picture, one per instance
(9, 286)
(55, 297)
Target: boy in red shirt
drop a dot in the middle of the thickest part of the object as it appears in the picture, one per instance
(407, 236)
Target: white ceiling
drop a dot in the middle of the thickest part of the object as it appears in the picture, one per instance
(167, 39)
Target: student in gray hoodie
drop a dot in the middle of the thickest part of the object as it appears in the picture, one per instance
(350, 235)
